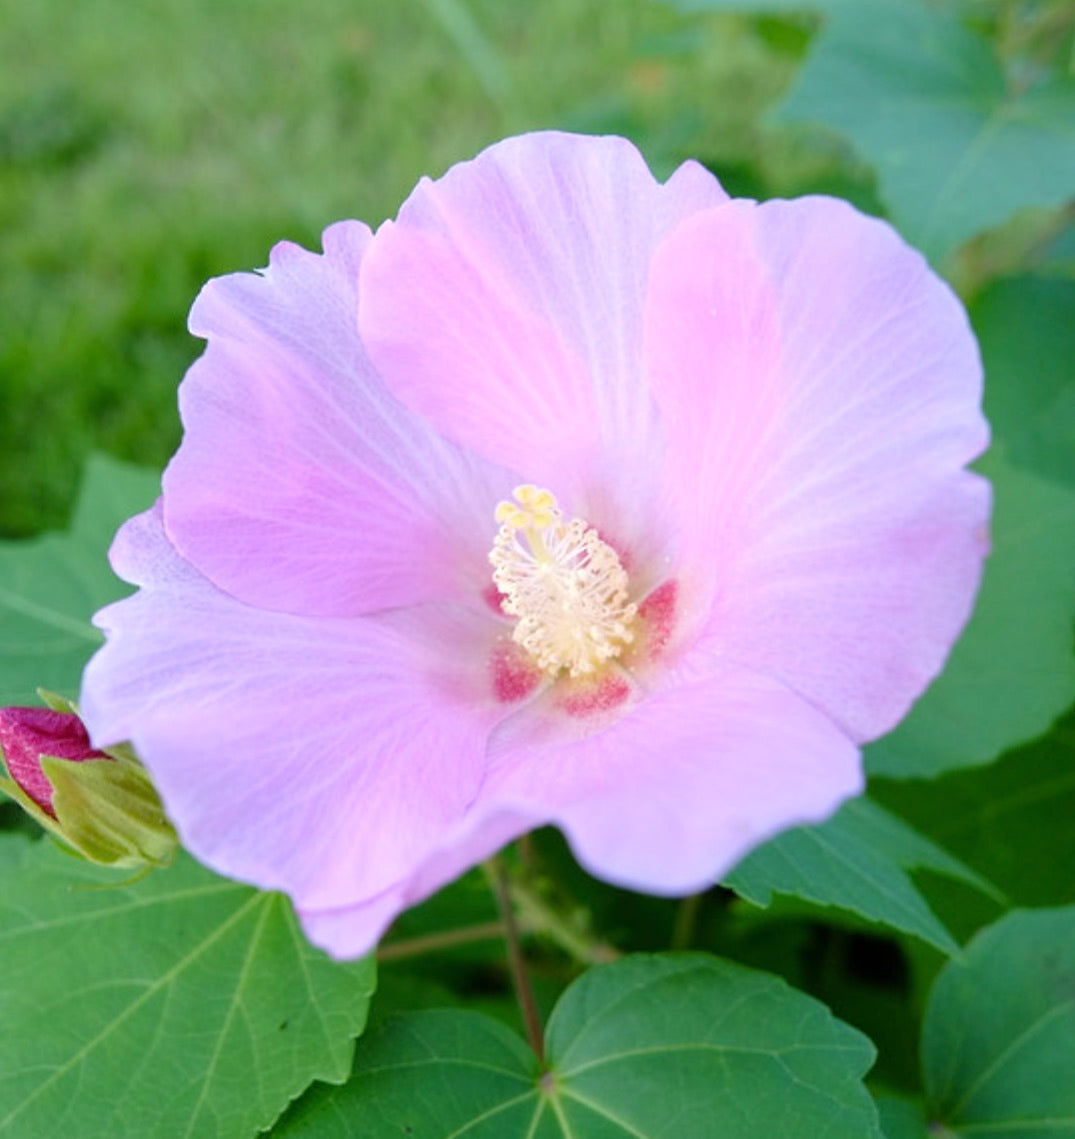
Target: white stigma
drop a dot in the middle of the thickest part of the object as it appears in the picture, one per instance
(565, 586)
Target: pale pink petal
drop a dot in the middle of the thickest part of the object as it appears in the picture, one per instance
(821, 391)
(505, 305)
(319, 756)
(667, 800)
(301, 484)
(675, 793)
(351, 931)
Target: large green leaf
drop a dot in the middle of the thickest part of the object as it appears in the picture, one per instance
(957, 147)
(857, 861)
(1012, 673)
(998, 1041)
(180, 1005)
(1026, 327)
(1012, 821)
(668, 1046)
(901, 1118)
(51, 586)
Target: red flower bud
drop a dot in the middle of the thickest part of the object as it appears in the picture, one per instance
(27, 734)
(102, 804)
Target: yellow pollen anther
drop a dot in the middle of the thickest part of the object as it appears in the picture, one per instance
(563, 583)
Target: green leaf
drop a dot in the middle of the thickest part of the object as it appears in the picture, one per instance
(435, 1073)
(1012, 821)
(51, 586)
(998, 1040)
(179, 1005)
(1012, 673)
(1026, 327)
(957, 147)
(901, 1118)
(858, 861)
(647, 1048)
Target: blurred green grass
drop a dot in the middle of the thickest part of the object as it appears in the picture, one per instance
(144, 148)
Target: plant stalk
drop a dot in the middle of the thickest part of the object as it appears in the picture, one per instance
(524, 993)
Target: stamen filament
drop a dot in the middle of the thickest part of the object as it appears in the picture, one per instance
(564, 584)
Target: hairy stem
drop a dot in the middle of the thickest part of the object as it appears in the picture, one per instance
(524, 994)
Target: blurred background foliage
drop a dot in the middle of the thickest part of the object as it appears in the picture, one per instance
(144, 148)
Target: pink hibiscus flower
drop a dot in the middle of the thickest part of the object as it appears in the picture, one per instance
(713, 449)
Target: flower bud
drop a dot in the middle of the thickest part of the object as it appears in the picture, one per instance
(100, 803)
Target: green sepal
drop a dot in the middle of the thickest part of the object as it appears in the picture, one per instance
(56, 702)
(108, 811)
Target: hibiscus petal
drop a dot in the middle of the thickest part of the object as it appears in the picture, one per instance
(674, 794)
(505, 306)
(301, 484)
(667, 800)
(821, 390)
(318, 756)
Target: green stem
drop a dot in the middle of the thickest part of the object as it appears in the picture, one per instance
(537, 916)
(524, 994)
(685, 922)
(444, 939)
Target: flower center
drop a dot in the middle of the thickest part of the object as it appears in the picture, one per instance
(565, 586)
